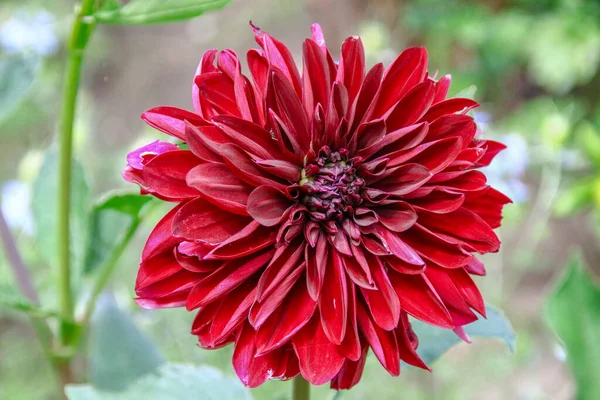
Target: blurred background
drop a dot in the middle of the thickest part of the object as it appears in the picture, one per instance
(534, 65)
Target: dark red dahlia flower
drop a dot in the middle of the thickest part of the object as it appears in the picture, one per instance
(316, 211)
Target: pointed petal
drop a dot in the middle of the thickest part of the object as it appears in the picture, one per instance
(319, 359)
(218, 185)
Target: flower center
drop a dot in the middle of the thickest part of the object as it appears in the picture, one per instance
(330, 188)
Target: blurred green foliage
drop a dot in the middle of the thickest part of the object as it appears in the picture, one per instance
(532, 64)
(572, 312)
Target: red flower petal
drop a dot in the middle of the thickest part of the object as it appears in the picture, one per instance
(319, 359)
(333, 302)
(267, 205)
(200, 220)
(216, 183)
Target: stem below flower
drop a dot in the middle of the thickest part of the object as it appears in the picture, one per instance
(79, 38)
(301, 389)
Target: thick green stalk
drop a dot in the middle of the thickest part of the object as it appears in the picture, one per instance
(301, 389)
(82, 30)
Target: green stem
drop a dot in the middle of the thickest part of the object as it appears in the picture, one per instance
(301, 389)
(107, 270)
(81, 32)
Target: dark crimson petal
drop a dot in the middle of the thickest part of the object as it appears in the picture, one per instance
(488, 206)
(289, 110)
(316, 262)
(400, 139)
(205, 316)
(161, 239)
(232, 312)
(404, 179)
(370, 134)
(464, 225)
(251, 137)
(246, 169)
(315, 76)
(492, 149)
(194, 264)
(475, 267)
(228, 63)
(319, 359)
(411, 107)
(280, 57)
(351, 372)
(472, 180)
(259, 69)
(268, 205)
(171, 120)
(439, 201)
(285, 259)
(281, 168)
(441, 88)
(339, 240)
(139, 157)
(217, 90)
(367, 94)
(435, 156)
(449, 106)
(180, 282)
(402, 266)
(200, 220)
(218, 185)
(246, 99)
(156, 269)
(467, 288)
(399, 248)
(397, 217)
(419, 299)
(225, 279)
(351, 70)
(333, 302)
(297, 311)
(402, 75)
(165, 175)
(251, 369)
(206, 65)
(382, 342)
(383, 302)
(261, 310)
(358, 269)
(462, 126)
(450, 295)
(431, 246)
(176, 300)
(252, 238)
(407, 349)
(351, 345)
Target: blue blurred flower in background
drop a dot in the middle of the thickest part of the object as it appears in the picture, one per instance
(29, 32)
(505, 173)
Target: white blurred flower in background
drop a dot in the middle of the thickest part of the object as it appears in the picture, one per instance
(16, 200)
(29, 32)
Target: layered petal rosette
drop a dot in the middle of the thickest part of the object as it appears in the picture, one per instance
(317, 210)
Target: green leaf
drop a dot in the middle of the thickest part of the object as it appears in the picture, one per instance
(153, 11)
(110, 220)
(433, 341)
(588, 139)
(572, 312)
(576, 197)
(171, 382)
(119, 352)
(44, 211)
(17, 74)
(10, 298)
